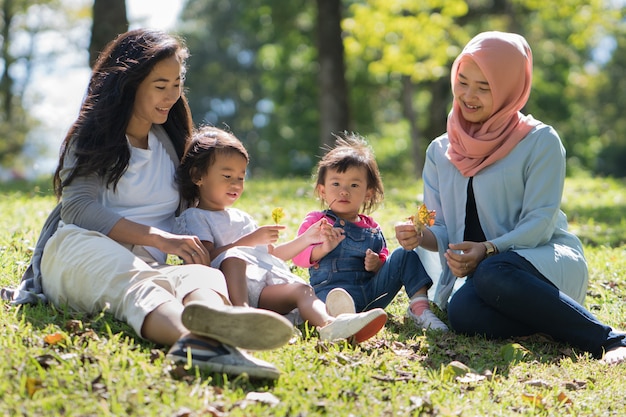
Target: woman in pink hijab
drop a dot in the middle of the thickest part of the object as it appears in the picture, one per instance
(495, 180)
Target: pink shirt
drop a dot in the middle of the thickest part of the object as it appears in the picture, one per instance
(303, 259)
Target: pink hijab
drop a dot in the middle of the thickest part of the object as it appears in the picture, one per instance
(506, 61)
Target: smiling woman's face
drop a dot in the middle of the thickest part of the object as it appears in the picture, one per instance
(157, 93)
(473, 93)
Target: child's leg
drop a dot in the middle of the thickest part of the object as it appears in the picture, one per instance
(234, 270)
(282, 298)
(404, 268)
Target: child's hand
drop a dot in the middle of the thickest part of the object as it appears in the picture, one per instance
(316, 232)
(264, 235)
(372, 261)
(331, 236)
(325, 237)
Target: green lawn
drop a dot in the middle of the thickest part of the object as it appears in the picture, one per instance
(101, 367)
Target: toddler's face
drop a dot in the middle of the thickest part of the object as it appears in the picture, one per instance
(345, 192)
(223, 183)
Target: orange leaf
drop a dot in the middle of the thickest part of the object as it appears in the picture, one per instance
(564, 399)
(423, 217)
(32, 386)
(534, 399)
(53, 339)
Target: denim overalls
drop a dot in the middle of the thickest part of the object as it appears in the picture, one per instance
(344, 267)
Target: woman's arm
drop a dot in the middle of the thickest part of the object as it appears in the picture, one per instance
(80, 206)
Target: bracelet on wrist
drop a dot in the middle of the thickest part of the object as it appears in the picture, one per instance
(491, 249)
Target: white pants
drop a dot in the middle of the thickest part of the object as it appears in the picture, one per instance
(87, 271)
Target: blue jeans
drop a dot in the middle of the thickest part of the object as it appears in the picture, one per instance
(402, 268)
(506, 297)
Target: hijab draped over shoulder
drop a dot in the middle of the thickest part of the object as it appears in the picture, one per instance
(506, 62)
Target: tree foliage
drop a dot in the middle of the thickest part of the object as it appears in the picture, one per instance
(29, 34)
(609, 123)
(395, 39)
(253, 69)
(256, 67)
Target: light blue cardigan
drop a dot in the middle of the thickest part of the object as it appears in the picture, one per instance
(518, 202)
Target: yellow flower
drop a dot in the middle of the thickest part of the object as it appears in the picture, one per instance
(277, 214)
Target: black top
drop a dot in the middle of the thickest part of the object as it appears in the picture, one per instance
(473, 230)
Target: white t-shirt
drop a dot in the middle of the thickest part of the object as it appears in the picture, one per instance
(147, 192)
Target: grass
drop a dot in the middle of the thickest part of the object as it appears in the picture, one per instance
(59, 362)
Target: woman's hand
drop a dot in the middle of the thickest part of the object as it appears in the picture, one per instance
(188, 248)
(464, 257)
(407, 236)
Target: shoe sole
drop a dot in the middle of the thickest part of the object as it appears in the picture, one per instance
(256, 373)
(339, 301)
(246, 328)
(371, 329)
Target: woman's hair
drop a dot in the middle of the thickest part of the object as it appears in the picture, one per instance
(200, 154)
(352, 151)
(98, 136)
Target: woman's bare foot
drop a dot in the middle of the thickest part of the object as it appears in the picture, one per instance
(615, 356)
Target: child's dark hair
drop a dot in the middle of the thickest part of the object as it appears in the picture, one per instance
(206, 142)
(352, 150)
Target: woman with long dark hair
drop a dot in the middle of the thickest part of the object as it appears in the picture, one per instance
(106, 244)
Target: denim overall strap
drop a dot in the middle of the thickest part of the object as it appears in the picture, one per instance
(346, 263)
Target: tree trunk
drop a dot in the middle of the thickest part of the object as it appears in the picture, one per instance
(408, 111)
(6, 82)
(440, 105)
(334, 112)
(109, 20)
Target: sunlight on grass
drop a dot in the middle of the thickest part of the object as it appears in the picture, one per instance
(59, 362)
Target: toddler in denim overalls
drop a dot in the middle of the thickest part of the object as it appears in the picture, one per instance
(353, 259)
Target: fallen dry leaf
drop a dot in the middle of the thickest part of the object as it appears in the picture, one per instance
(33, 385)
(53, 339)
(535, 399)
(564, 399)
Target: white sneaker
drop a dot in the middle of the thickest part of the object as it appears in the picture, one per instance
(427, 320)
(359, 326)
(243, 327)
(339, 301)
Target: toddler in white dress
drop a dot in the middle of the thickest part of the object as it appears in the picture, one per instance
(211, 179)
